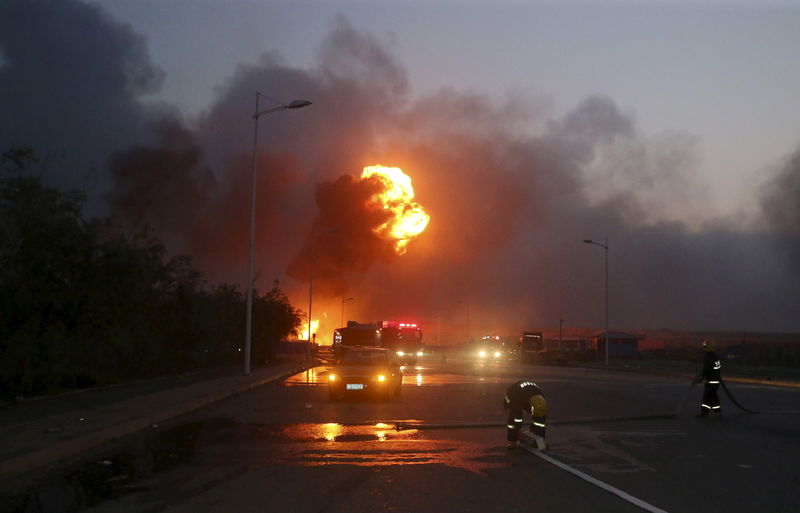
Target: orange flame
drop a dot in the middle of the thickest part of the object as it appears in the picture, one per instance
(302, 333)
(408, 218)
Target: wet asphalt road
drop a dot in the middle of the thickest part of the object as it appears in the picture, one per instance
(287, 447)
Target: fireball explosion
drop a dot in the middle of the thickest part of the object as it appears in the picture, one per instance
(408, 219)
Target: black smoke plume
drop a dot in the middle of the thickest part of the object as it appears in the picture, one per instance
(512, 194)
(341, 239)
(72, 81)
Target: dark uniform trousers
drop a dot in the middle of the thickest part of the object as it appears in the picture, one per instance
(520, 397)
(712, 374)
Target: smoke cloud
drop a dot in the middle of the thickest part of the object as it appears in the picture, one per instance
(780, 199)
(341, 238)
(511, 194)
(71, 84)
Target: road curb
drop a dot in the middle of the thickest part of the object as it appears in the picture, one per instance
(23, 464)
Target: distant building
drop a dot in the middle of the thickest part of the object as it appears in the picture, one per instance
(621, 345)
(567, 344)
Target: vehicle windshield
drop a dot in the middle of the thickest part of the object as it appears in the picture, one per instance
(364, 358)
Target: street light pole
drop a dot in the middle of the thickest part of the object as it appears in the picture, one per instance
(605, 248)
(341, 321)
(295, 104)
(311, 291)
(310, 295)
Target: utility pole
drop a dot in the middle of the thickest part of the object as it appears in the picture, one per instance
(604, 245)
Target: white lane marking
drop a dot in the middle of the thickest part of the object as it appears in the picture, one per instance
(607, 487)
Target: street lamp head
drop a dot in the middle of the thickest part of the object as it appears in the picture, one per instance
(588, 241)
(297, 104)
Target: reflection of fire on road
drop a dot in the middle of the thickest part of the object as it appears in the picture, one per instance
(379, 445)
(318, 376)
(331, 430)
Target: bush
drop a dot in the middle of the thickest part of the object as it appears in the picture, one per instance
(82, 303)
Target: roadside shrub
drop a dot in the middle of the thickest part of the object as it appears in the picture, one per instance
(83, 303)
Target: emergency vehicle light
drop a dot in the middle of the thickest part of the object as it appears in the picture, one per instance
(396, 324)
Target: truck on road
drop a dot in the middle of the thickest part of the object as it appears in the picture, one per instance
(403, 338)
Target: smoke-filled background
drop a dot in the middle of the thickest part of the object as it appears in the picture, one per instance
(511, 190)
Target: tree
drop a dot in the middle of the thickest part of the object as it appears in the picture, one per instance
(84, 303)
(274, 318)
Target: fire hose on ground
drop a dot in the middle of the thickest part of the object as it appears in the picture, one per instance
(591, 420)
(538, 451)
(735, 402)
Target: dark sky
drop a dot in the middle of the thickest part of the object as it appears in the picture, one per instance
(509, 206)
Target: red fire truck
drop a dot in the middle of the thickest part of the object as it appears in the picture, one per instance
(404, 338)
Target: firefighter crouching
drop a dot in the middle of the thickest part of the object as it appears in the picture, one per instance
(520, 397)
(711, 373)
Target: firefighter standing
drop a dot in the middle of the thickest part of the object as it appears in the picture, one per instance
(711, 373)
(524, 396)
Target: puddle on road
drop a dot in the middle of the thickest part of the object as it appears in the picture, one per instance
(380, 445)
(333, 432)
(412, 376)
(122, 469)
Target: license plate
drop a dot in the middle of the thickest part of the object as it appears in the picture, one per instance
(355, 386)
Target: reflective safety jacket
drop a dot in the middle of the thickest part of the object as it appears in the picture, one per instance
(517, 395)
(712, 368)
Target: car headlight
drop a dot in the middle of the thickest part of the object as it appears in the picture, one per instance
(400, 353)
(419, 353)
(331, 377)
(497, 354)
(482, 354)
(381, 377)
